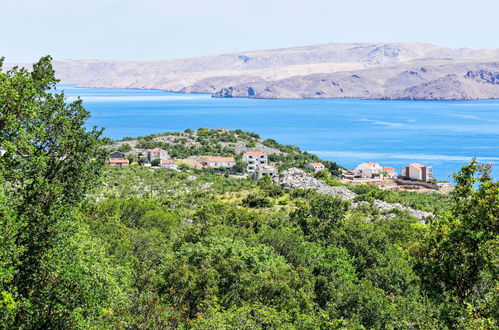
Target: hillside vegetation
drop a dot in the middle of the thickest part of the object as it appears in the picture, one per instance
(88, 246)
(219, 142)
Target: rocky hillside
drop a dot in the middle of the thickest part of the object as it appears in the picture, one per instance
(295, 178)
(361, 70)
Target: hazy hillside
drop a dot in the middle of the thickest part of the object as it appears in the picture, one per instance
(366, 70)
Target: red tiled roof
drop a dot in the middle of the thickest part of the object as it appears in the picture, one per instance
(316, 164)
(388, 169)
(118, 161)
(220, 159)
(254, 154)
(157, 150)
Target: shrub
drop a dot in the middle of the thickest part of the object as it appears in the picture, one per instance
(125, 147)
(255, 201)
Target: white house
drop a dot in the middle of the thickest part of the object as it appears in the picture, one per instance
(219, 162)
(262, 170)
(368, 170)
(417, 172)
(390, 172)
(253, 159)
(316, 167)
(156, 153)
(168, 164)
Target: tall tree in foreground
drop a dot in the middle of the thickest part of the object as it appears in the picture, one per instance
(48, 164)
(458, 259)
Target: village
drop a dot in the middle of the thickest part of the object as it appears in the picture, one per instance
(256, 165)
(414, 176)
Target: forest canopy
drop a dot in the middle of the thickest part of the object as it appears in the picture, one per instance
(85, 246)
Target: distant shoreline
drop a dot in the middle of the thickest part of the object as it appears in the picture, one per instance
(288, 98)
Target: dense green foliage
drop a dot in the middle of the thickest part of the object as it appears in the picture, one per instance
(155, 248)
(206, 142)
(50, 162)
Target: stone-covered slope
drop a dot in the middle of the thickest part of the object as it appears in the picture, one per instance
(295, 178)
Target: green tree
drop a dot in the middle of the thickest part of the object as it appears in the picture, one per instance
(51, 162)
(458, 261)
(125, 147)
(320, 217)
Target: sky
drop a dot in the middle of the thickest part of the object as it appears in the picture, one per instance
(163, 29)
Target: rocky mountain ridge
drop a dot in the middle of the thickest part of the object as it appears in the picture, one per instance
(350, 70)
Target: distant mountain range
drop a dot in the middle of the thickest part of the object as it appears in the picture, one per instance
(407, 70)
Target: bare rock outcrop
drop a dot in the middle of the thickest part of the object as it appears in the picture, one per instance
(295, 178)
(484, 76)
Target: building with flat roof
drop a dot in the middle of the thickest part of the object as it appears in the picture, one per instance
(417, 171)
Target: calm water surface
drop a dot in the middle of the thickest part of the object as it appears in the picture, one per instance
(444, 135)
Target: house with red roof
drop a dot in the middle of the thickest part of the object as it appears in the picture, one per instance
(417, 171)
(253, 159)
(316, 167)
(219, 162)
(118, 162)
(390, 172)
(156, 153)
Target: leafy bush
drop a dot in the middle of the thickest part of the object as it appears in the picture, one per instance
(254, 200)
(125, 147)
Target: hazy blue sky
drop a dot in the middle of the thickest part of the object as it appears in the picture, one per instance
(154, 29)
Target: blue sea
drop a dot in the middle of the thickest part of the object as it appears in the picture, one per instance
(445, 135)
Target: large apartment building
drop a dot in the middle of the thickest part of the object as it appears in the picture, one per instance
(253, 159)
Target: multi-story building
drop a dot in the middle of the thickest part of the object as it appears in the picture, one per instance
(253, 159)
(417, 172)
(156, 153)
